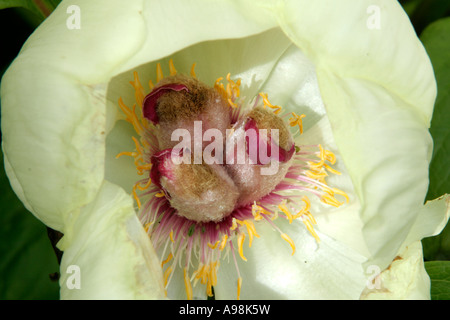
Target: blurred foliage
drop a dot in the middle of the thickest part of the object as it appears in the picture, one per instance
(439, 272)
(29, 267)
(436, 39)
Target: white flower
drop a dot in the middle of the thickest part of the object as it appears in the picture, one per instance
(367, 91)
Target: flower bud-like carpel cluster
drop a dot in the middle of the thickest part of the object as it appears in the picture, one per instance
(213, 166)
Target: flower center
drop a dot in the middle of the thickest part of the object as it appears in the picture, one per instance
(214, 167)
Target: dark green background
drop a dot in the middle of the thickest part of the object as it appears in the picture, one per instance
(28, 265)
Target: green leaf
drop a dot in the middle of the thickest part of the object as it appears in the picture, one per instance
(424, 12)
(436, 39)
(439, 272)
(41, 8)
(28, 262)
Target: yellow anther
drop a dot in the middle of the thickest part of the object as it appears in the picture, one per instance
(330, 157)
(127, 153)
(172, 69)
(142, 169)
(135, 196)
(159, 73)
(145, 187)
(283, 208)
(256, 212)
(305, 199)
(310, 217)
(241, 239)
(330, 200)
(171, 236)
(232, 104)
(296, 120)
(326, 155)
(193, 75)
(219, 87)
(188, 285)
(342, 193)
(316, 175)
(234, 224)
(131, 117)
(251, 231)
(138, 89)
(147, 226)
(167, 275)
(330, 169)
(311, 230)
(151, 85)
(169, 257)
(268, 104)
(213, 246)
(160, 194)
(223, 242)
(239, 285)
(289, 240)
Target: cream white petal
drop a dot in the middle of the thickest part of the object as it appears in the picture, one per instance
(378, 106)
(404, 279)
(432, 219)
(174, 25)
(54, 143)
(107, 254)
(325, 270)
(53, 106)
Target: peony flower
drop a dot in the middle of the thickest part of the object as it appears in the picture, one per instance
(348, 86)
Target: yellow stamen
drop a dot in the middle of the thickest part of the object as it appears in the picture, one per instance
(256, 212)
(160, 194)
(311, 230)
(234, 224)
(241, 239)
(232, 104)
(268, 104)
(188, 285)
(145, 187)
(223, 242)
(147, 226)
(169, 257)
(239, 285)
(172, 69)
(296, 120)
(330, 200)
(171, 236)
(193, 75)
(143, 168)
(251, 231)
(136, 197)
(126, 153)
(316, 175)
(167, 275)
(342, 193)
(326, 155)
(151, 85)
(131, 117)
(282, 206)
(289, 240)
(220, 88)
(213, 246)
(330, 169)
(159, 73)
(138, 89)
